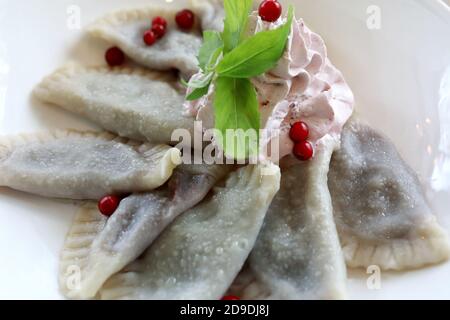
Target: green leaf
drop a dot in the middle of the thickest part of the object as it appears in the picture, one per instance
(184, 83)
(204, 80)
(235, 24)
(236, 107)
(257, 54)
(197, 93)
(211, 48)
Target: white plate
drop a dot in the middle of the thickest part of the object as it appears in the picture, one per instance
(397, 74)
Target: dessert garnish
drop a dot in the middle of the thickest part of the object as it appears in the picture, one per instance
(108, 205)
(270, 10)
(185, 19)
(159, 21)
(149, 37)
(230, 298)
(114, 57)
(299, 133)
(228, 60)
(303, 150)
(157, 31)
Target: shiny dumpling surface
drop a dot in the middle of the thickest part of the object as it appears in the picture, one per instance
(106, 246)
(200, 254)
(380, 208)
(132, 102)
(297, 254)
(178, 49)
(83, 165)
(211, 13)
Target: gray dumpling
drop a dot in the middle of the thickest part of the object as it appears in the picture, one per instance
(211, 13)
(198, 256)
(380, 209)
(83, 165)
(134, 103)
(297, 254)
(100, 247)
(178, 49)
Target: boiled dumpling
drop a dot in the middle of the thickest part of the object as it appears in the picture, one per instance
(99, 248)
(178, 49)
(297, 254)
(200, 254)
(380, 208)
(80, 165)
(211, 12)
(134, 103)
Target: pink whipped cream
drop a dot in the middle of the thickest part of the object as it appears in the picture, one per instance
(304, 86)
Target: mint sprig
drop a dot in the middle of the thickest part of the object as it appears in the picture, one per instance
(200, 86)
(197, 93)
(236, 108)
(258, 54)
(229, 60)
(235, 23)
(210, 51)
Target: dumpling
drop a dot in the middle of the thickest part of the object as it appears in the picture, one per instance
(297, 254)
(134, 103)
(200, 254)
(380, 209)
(211, 12)
(99, 248)
(176, 50)
(83, 165)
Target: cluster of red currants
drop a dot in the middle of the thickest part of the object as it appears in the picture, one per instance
(184, 19)
(299, 133)
(157, 31)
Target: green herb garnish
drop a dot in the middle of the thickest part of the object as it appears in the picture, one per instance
(235, 23)
(256, 55)
(229, 59)
(236, 109)
(210, 51)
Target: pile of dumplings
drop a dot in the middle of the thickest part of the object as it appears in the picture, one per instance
(197, 231)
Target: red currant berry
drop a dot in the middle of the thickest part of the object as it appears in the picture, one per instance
(230, 298)
(108, 205)
(303, 150)
(159, 30)
(299, 132)
(114, 57)
(270, 10)
(159, 21)
(149, 37)
(185, 19)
